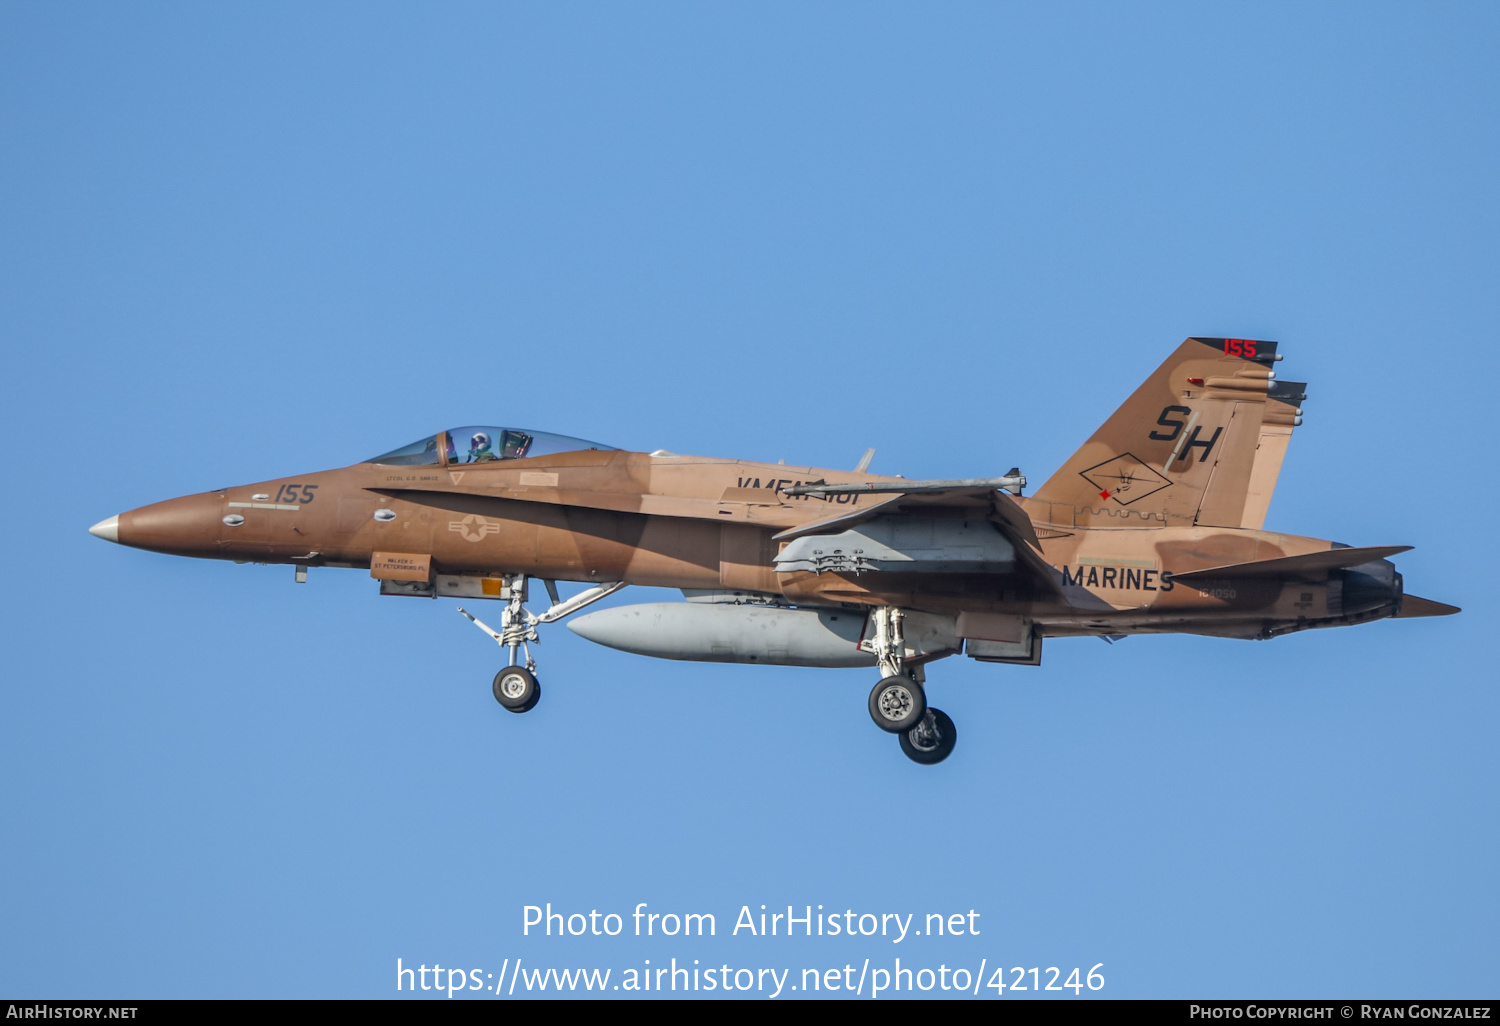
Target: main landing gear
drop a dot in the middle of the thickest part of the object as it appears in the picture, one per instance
(898, 704)
(516, 687)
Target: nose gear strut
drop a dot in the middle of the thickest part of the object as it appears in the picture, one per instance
(516, 686)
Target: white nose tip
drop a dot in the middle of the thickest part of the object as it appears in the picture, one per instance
(109, 529)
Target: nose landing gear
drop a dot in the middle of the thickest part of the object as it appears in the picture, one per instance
(516, 687)
(898, 704)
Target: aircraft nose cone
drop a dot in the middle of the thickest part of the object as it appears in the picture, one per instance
(188, 526)
(109, 529)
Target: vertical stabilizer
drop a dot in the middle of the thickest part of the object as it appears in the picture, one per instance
(1184, 448)
(1282, 415)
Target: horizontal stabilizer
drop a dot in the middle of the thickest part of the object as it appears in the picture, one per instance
(1310, 563)
(1411, 605)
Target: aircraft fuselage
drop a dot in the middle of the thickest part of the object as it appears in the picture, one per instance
(526, 517)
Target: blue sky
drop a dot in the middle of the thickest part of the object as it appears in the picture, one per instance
(241, 242)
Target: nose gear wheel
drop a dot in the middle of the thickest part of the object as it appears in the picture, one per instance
(516, 688)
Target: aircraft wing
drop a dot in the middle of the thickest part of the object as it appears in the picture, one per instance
(975, 499)
(980, 501)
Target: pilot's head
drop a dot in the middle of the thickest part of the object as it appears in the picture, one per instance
(480, 441)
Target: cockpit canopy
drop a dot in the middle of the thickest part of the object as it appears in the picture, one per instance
(477, 444)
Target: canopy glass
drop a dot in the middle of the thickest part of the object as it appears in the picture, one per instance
(481, 444)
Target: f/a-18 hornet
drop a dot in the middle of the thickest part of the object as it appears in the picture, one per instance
(1153, 526)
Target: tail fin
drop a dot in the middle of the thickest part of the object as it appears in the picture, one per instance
(1282, 414)
(1200, 442)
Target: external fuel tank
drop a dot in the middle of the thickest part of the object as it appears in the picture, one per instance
(728, 633)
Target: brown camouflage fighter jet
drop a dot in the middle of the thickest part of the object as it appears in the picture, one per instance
(1154, 526)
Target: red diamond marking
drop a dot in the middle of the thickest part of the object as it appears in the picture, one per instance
(1103, 495)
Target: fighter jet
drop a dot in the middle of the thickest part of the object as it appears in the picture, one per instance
(1153, 526)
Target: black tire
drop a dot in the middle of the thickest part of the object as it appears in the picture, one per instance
(536, 696)
(897, 704)
(933, 745)
(515, 688)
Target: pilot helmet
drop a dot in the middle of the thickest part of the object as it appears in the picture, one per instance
(481, 441)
